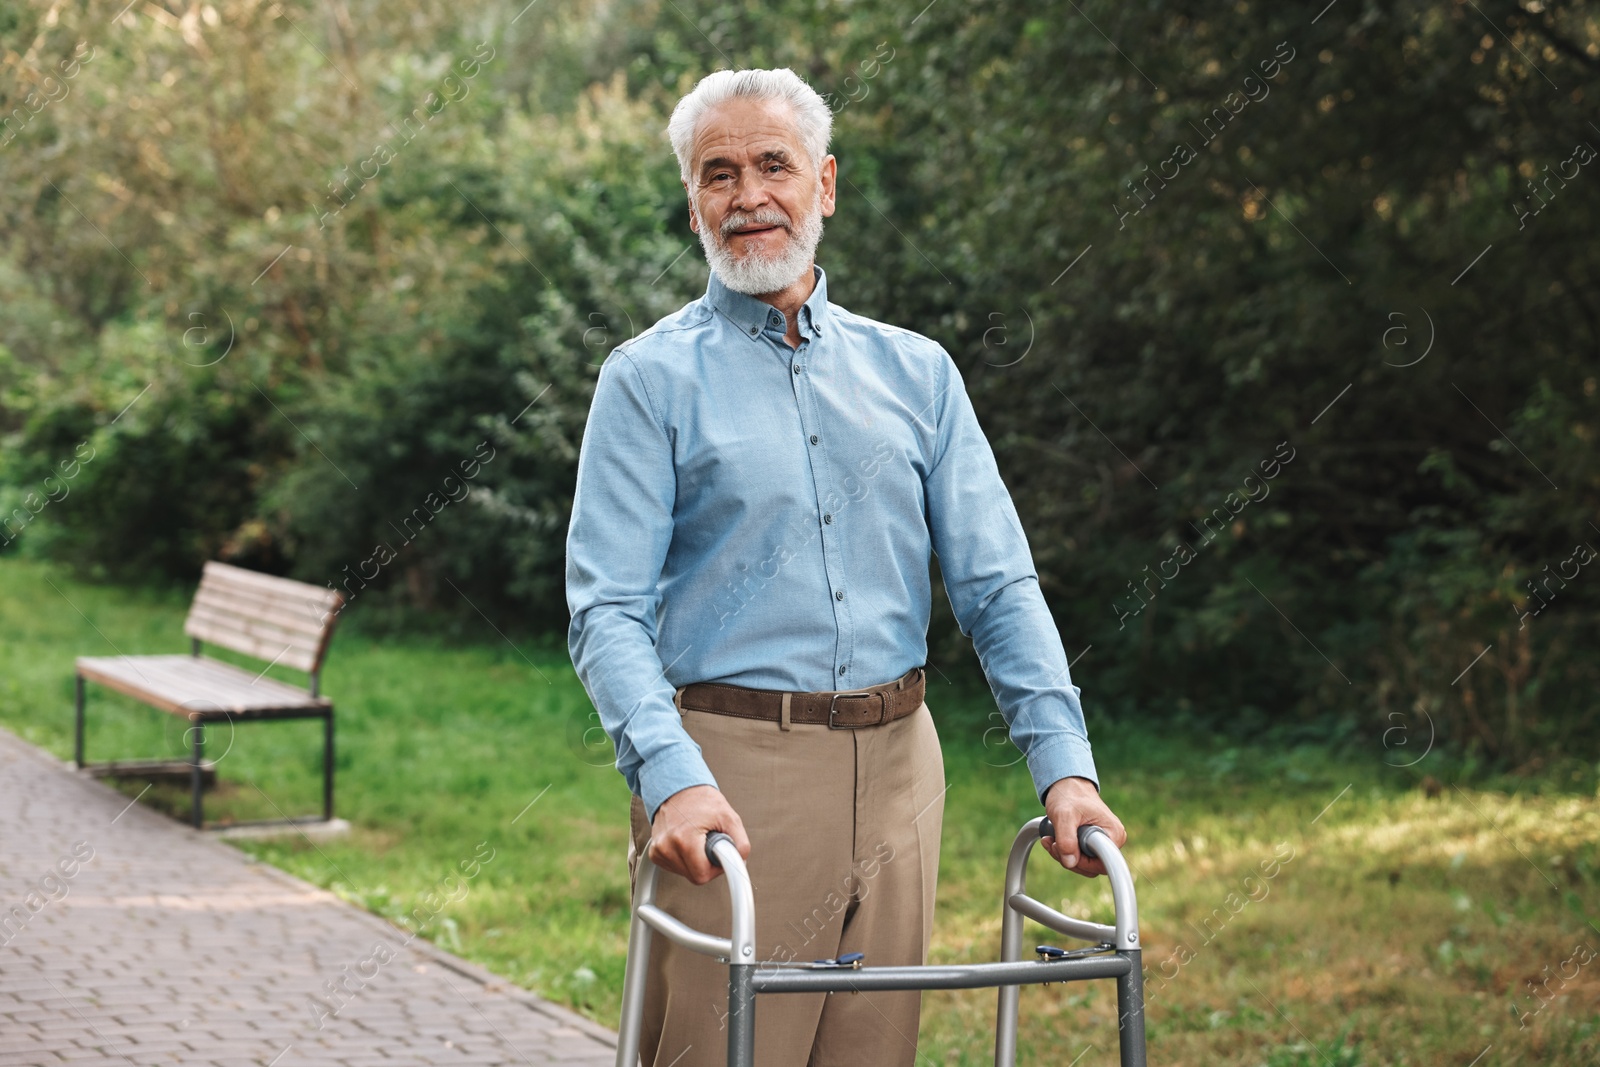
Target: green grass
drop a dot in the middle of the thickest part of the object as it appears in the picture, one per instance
(1401, 930)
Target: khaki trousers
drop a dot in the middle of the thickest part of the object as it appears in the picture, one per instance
(844, 856)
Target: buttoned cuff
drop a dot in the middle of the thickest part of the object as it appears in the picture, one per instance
(670, 770)
(1064, 756)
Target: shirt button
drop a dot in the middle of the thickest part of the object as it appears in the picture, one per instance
(754, 330)
(838, 594)
(841, 672)
(827, 518)
(813, 438)
(797, 368)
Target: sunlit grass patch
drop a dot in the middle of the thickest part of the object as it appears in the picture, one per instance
(1394, 927)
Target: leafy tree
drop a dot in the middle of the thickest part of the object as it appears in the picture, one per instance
(329, 252)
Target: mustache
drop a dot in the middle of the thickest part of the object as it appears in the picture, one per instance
(759, 218)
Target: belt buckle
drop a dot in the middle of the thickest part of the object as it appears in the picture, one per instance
(833, 710)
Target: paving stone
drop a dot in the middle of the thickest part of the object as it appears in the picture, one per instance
(166, 946)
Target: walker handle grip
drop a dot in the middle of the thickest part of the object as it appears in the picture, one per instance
(1047, 829)
(711, 839)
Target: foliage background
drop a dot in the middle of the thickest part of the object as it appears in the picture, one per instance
(262, 378)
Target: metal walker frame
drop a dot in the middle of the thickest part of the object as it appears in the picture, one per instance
(1114, 953)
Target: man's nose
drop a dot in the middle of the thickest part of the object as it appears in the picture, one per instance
(751, 192)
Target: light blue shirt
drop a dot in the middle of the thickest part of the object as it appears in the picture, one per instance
(762, 516)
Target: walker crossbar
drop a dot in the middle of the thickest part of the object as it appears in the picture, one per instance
(931, 976)
(747, 976)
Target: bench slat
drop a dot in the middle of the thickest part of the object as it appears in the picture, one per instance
(270, 585)
(197, 687)
(297, 620)
(303, 646)
(193, 684)
(207, 689)
(302, 605)
(232, 637)
(274, 619)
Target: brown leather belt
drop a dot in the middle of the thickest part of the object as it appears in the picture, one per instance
(847, 709)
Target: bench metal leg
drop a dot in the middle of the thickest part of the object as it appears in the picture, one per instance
(1130, 1011)
(196, 777)
(78, 728)
(327, 767)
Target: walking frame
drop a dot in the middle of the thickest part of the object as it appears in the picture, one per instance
(1114, 953)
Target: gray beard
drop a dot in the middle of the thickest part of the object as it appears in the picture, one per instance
(757, 275)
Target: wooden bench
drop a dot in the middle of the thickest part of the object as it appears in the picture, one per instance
(273, 619)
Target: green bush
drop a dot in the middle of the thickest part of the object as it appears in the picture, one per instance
(1157, 267)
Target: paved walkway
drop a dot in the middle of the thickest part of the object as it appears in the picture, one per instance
(128, 938)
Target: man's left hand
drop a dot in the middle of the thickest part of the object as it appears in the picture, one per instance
(1071, 803)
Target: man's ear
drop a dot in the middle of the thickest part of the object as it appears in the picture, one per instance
(694, 217)
(829, 178)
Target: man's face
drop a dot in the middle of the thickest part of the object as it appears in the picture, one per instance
(755, 198)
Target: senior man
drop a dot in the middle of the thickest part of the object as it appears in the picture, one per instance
(762, 479)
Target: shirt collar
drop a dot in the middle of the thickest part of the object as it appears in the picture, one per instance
(752, 315)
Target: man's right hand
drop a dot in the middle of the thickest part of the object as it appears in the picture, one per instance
(678, 834)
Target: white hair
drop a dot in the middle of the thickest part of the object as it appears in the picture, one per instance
(813, 117)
